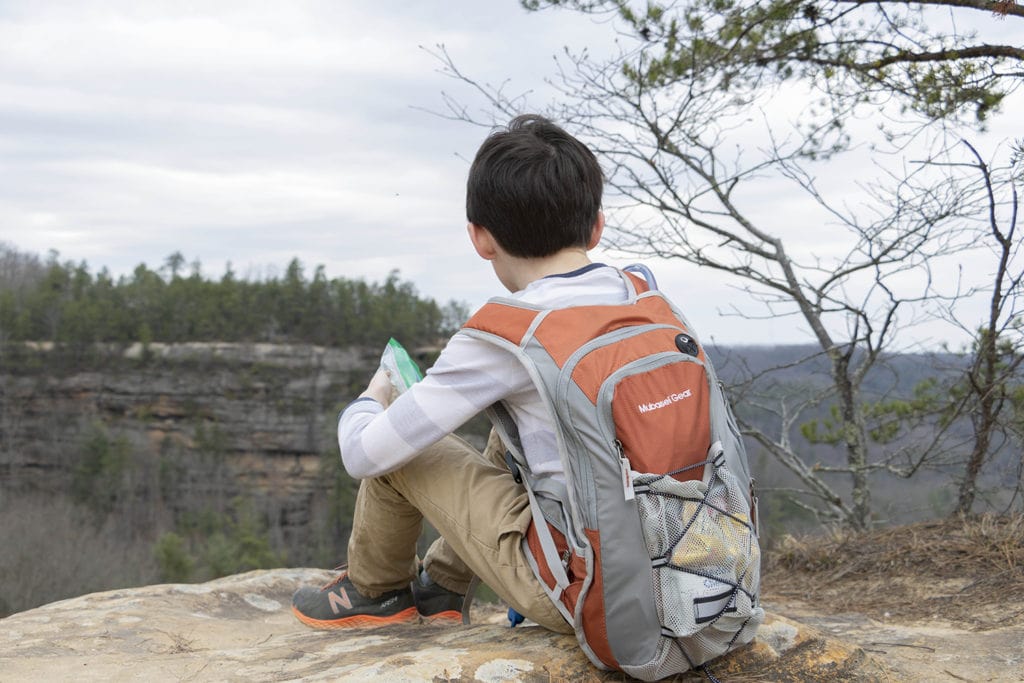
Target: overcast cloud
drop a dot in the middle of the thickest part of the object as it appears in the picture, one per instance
(254, 132)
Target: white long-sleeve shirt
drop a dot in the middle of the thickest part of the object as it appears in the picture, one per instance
(468, 377)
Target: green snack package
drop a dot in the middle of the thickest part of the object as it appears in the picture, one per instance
(401, 368)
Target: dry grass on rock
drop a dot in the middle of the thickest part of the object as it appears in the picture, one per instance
(965, 571)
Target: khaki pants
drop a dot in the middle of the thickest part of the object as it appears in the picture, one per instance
(481, 513)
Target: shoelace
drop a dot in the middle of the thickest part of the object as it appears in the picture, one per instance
(343, 568)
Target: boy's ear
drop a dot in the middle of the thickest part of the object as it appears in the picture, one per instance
(483, 241)
(595, 234)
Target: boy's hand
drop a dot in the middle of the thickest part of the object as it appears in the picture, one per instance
(379, 388)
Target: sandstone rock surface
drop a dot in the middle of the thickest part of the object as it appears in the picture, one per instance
(927, 650)
(241, 628)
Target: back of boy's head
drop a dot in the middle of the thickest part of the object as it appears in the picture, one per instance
(535, 188)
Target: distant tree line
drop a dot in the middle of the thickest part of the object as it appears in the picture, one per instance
(65, 302)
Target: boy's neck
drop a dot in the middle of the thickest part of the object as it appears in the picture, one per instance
(516, 273)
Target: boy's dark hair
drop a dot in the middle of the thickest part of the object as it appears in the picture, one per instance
(535, 188)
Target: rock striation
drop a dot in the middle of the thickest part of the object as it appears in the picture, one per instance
(203, 423)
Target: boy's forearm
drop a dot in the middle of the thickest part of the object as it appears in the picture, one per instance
(375, 440)
(379, 389)
(351, 424)
(467, 378)
(377, 395)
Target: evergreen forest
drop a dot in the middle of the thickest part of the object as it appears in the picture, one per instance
(67, 303)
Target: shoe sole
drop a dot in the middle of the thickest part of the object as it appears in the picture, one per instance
(448, 617)
(406, 616)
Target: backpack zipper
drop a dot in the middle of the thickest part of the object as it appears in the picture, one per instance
(562, 384)
(605, 418)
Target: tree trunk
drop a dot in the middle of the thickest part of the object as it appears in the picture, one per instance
(853, 440)
(983, 421)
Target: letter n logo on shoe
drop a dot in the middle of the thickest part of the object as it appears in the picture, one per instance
(339, 600)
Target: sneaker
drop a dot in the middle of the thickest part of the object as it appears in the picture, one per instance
(434, 602)
(339, 605)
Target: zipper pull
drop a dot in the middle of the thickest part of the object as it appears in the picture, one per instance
(626, 472)
(753, 506)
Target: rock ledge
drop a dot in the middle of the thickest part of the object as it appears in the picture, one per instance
(241, 628)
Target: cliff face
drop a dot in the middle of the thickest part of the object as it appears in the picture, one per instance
(163, 434)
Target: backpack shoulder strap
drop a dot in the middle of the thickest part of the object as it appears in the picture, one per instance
(505, 323)
(509, 323)
(506, 319)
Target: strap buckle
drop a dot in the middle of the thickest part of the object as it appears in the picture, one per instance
(513, 467)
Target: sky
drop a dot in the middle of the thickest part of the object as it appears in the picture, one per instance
(257, 132)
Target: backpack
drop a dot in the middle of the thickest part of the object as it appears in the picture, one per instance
(649, 547)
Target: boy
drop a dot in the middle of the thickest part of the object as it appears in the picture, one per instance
(533, 204)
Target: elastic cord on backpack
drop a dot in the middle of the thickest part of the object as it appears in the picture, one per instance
(707, 672)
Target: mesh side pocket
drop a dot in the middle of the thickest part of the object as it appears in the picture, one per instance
(708, 556)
